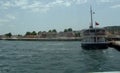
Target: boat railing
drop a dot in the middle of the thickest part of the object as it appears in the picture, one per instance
(94, 36)
(94, 39)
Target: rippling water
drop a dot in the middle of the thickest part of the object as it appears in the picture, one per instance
(55, 57)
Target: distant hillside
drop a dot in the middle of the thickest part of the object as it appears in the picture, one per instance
(113, 29)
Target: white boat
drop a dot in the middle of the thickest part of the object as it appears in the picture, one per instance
(94, 38)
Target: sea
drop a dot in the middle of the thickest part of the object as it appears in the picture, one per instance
(55, 57)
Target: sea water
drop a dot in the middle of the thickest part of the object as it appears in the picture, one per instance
(55, 57)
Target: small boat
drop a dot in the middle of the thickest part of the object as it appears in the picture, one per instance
(94, 38)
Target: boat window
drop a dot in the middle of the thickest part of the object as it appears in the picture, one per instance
(100, 39)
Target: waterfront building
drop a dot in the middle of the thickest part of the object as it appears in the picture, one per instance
(113, 30)
(66, 34)
(51, 35)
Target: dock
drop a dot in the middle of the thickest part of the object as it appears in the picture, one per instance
(115, 44)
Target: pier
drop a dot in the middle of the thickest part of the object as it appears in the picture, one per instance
(115, 44)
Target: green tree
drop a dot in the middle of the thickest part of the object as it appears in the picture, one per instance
(54, 30)
(70, 29)
(28, 33)
(19, 35)
(33, 33)
(50, 31)
(65, 30)
(8, 35)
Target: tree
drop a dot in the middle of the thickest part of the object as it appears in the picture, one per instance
(54, 30)
(50, 31)
(8, 35)
(28, 33)
(33, 33)
(19, 35)
(65, 30)
(70, 29)
(77, 35)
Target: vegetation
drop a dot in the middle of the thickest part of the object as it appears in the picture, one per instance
(77, 34)
(65, 30)
(68, 30)
(54, 30)
(50, 31)
(19, 35)
(8, 35)
(31, 33)
(28, 33)
(111, 29)
(44, 33)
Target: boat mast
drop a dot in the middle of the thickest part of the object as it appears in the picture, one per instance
(91, 15)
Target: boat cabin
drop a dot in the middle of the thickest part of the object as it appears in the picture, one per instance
(94, 31)
(94, 35)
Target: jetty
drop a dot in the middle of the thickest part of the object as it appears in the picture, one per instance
(115, 44)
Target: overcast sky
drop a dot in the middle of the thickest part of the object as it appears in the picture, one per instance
(19, 16)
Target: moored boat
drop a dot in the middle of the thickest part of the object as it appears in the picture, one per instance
(94, 38)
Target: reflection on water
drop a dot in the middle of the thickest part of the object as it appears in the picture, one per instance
(55, 57)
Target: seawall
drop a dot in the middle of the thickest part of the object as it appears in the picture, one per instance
(43, 39)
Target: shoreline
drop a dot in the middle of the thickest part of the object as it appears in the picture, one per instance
(42, 39)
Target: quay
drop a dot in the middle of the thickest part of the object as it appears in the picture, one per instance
(115, 44)
(42, 39)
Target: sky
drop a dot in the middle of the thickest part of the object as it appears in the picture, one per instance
(20, 16)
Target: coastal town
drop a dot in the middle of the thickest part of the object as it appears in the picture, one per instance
(51, 34)
(67, 34)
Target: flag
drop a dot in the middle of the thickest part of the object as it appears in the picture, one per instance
(96, 23)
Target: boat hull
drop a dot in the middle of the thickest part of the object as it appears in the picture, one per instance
(94, 45)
